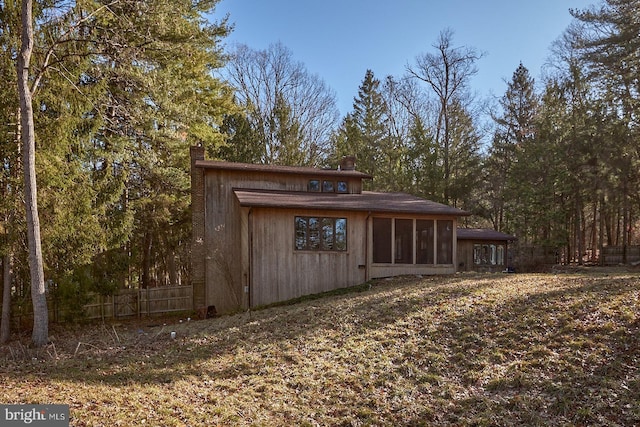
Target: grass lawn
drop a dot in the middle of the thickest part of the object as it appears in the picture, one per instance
(467, 349)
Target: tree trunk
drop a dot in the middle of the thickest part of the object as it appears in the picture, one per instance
(171, 266)
(578, 232)
(594, 230)
(40, 334)
(5, 328)
(625, 220)
(601, 229)
(146, 260)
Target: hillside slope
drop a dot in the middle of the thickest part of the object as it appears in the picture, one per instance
(468, 349)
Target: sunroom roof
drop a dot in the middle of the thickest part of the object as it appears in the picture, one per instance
(482, 234)
(368, 201)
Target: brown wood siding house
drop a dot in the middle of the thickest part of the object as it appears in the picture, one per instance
(264, 233)
(483, 250)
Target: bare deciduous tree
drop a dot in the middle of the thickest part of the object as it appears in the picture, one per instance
(271, 86)
(40, 334)
(447, 72)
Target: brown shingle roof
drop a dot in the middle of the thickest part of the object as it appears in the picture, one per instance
(366, 201)
(482, 234)
(296, 170)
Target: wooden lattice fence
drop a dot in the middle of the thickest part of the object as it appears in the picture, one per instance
(125, 303)
(614, 255)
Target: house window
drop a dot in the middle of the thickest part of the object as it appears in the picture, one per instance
(414, 242)
(327, 187)
(488, 254)
(320, 234)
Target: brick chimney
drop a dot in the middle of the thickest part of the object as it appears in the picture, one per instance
(198, 249)
(348, 163)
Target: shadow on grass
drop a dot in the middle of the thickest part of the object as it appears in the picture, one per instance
(536, 356)
(156, 359)
(567, 356)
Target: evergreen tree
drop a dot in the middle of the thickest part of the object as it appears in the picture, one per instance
(159, 97)
(364, 131)
(120, 91)
(609, 43)
(515, 127)
(10, 227)
(244, 144)
(465, 159)
(427, 169)
(369, 114)
(344, 141)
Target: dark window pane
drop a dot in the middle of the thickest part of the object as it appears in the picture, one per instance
(404, 241)
(320, 234)
(445, 242)
(477, 254)
(500, 256)
(314, 234)
(342, 187)
(424, 241)
(341, 234)
(327, 186)
(327, 234)
(382, 240)
(314, 185)
(301, 233)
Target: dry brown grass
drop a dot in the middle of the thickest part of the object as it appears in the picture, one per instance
(459, 350)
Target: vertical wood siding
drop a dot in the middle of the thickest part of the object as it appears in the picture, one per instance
(227, 235)
(279, 272)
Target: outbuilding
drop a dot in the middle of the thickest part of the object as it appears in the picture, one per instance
(484, 250)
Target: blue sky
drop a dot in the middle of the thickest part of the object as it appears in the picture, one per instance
(340, 39)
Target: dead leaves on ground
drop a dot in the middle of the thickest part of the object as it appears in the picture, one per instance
(458, 350)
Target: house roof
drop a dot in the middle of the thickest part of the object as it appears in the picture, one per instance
(296, 170)
(368, 201)
(482, 234)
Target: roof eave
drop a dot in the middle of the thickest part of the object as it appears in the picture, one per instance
(293, 170)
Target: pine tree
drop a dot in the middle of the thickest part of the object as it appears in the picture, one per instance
(160, 97)
(608, 42)
(121, 92)
(364, 132)
(465, 158)
(427, 169)
(9, 160)
(515, 127)
(243, 144)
